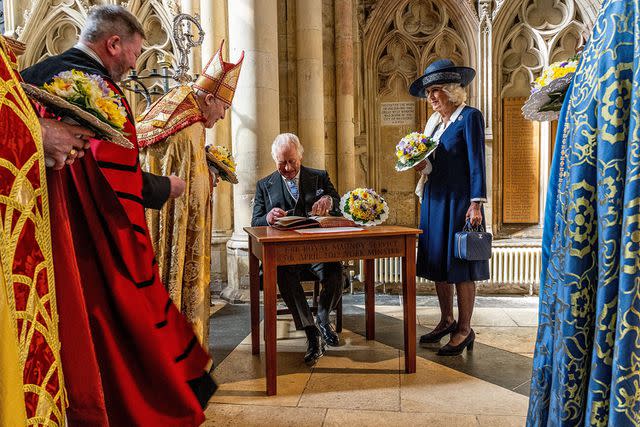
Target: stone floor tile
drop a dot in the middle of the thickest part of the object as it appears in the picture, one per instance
(355, 379)
(285, 331)
(513, 339)
(267, 416)
(491, 317)
(217, 305)
(435, 388)
(355, 418)
(241, 377)
(523, 316)
(501, 421)
(389, 310)
(482, 316)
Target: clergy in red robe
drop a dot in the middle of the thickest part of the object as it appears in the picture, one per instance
(129, 355)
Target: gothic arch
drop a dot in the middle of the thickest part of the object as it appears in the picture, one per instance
(47, 19)
(528, 35)
(400, 39)
(44, 26)
(566, 42)
(53, 26)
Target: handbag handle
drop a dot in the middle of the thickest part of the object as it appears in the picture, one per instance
(468, 227)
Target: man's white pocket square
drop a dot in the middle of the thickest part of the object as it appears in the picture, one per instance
(319, 192)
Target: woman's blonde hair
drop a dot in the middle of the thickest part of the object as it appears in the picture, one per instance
(455, 92)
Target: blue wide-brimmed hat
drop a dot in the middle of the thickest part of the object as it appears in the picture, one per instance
(439, 72)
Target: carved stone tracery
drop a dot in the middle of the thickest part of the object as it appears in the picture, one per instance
(400, 39)
(527, 37)
(418, 33)
(53, 26)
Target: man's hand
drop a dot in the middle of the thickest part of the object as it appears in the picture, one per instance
(474, 214)
(322, 206)
(177, 186)
(62, 142)
(274, 214)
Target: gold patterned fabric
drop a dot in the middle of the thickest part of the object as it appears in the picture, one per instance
(181, 230)
(31, 382)
(173, 112)
(586, 368)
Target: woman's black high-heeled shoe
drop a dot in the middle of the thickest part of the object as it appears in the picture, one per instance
(455, 350)
(434, 336)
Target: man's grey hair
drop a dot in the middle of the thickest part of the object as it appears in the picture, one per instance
(109, 20)
(456, 93)
(286, 139)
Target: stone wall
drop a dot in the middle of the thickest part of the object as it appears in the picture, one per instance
(506, 41)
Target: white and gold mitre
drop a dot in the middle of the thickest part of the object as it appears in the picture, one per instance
(220, 78)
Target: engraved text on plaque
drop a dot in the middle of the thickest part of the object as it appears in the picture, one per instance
(521, 165)
(303, 253)
(398, 113)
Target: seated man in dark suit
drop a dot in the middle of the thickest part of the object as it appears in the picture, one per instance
(297, 190)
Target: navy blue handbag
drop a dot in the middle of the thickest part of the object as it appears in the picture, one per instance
(472, 244)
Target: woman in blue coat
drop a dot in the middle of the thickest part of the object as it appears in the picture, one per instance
(453, 189)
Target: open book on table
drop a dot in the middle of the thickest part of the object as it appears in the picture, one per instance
(296, 222)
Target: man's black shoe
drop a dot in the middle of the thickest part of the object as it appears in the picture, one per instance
(329, 334)
(315, 346)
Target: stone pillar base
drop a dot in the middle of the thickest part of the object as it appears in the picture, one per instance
(237, 290)
(219, 261)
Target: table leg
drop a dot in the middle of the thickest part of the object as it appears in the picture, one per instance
(269, 290)
(254, 297)
(409, 303)
(369, 299)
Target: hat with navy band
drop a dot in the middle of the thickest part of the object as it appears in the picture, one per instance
(442, 71)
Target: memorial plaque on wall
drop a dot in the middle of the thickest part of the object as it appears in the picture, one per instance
(398, 113)
(521, 165)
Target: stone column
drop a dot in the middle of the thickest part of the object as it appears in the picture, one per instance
(8, 8)
(344, 95)
(310, 73)
(255, 121)
(484, 82)
(214, 24)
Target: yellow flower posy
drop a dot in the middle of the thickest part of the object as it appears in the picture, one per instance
(412, 149)
(364, 206)
(555, 71)
(91, 93)
(222, 155)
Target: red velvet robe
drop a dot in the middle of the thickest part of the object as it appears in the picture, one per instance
(129, 355)
(26, 265)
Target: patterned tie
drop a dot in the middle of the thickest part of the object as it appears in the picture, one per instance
(293, 188)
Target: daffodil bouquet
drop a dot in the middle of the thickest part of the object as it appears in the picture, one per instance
(364, 207)
(549, 89)
(220, 158)
(90, 93)
(412, 149)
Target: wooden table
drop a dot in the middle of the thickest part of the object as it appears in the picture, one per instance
(275, 248)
